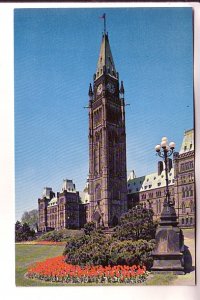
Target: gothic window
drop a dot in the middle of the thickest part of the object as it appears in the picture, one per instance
(183, 193)
(183, 221)
(182, 167)
(159, 205)
(191, 220)
(191, 165)
(187, 192)
(191, 206)
(115, 221)
(98, 192)
(183, 208)
(158, 194)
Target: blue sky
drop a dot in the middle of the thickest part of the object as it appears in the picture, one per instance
(56, 52)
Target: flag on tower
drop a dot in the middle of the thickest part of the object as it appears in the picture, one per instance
(103, 16)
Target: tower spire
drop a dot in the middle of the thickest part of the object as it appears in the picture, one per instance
(105, 63)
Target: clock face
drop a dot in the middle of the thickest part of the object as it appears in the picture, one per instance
(111, 88)
(99, 89)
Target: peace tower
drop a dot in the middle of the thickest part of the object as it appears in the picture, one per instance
(107, 142)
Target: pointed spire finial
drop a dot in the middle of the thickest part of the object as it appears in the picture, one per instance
(122, 88)
(90, 92)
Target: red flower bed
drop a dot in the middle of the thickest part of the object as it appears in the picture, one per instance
(56, 269)
(49, 243)
(42, 243)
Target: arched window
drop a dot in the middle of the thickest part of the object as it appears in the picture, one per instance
(183, 221)
(183, 192)
(115, 221)
(191, 220)
(191, 206)
(183, 207)
(159, 205)
(98, 192)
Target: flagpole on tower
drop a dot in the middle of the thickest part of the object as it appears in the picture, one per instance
(104, 21)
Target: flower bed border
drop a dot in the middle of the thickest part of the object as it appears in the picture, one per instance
(57, 270)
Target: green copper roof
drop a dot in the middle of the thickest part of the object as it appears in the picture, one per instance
(188, 141)
(105, 60)
(53, 201)
(149, 182)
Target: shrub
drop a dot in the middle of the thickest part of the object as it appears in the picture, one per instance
(99, 249)
(130, 244)
(60, 235)
(89, 228)
(88, 250)
(136, 224)
(131, 253)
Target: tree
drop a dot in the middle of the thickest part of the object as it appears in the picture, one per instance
(31, 218)
(23, 232)
(136, 224)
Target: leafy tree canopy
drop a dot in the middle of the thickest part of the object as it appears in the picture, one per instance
(31, 218)
(23, 232)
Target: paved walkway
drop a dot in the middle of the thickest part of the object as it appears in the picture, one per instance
(188, 278)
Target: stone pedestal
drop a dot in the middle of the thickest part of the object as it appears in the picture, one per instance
(168, 255)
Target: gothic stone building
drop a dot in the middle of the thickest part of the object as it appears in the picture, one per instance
(61, 210)
(149, 190)
(107, 143)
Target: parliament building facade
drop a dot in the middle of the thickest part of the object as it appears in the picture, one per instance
(108, 194)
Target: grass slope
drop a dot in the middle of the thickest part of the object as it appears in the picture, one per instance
(26, 255)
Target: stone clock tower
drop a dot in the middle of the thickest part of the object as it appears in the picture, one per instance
(107, 143)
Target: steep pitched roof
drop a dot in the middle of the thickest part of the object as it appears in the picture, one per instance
(149, 182)
(105, 61)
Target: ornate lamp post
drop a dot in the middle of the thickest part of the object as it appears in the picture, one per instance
(169, 250)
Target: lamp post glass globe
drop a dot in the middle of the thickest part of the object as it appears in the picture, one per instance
(157, 148)
(164, 144)
(172, 145)
(164, 139)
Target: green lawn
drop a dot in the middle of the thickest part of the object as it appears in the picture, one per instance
(26, 255)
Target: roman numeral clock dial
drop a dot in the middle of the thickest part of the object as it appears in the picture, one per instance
(110, 87)
(99, 89)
